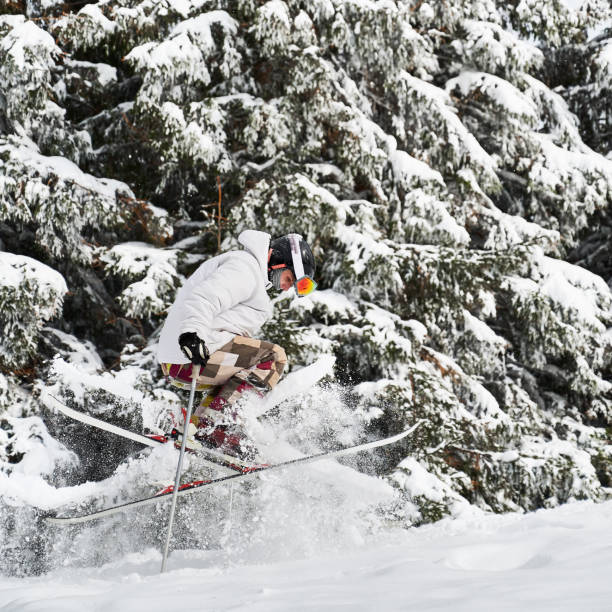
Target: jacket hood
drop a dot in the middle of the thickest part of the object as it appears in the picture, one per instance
(257, 244)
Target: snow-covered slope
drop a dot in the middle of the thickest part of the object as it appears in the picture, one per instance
(549, 560)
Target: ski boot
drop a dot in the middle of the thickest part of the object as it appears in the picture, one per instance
(192, 443)
(226, 438)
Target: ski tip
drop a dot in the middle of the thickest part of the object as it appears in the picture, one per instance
(48, 400)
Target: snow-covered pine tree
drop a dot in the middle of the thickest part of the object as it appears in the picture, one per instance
(59, 225)
(581, 72)
(428, 153)
(49, 207)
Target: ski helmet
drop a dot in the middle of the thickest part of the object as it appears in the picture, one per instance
(292, 252)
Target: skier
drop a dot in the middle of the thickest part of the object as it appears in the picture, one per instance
(212, 323)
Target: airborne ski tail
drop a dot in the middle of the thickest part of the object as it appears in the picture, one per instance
(213, 458)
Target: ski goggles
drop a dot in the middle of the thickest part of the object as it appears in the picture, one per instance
(303, 284)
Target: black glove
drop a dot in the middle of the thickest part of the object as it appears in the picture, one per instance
(195, 350)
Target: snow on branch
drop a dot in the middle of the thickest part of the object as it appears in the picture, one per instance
(438, 136)
(57, 197)
(30, 294)
(150, 272)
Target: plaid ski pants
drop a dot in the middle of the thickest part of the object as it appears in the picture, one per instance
(243, 363)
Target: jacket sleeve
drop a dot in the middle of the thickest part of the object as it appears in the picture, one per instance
(233, 282)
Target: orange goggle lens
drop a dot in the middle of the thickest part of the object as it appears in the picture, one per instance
(304, 286)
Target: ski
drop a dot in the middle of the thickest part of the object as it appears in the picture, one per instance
(198, 485)
(213, 458)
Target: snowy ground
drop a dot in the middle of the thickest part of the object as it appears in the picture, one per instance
(549, 560)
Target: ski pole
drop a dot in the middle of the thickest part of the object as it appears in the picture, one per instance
(177, 479)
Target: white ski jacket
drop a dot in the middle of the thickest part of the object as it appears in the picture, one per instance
(226, 296)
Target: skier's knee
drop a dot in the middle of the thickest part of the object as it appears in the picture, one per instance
(280, 357)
